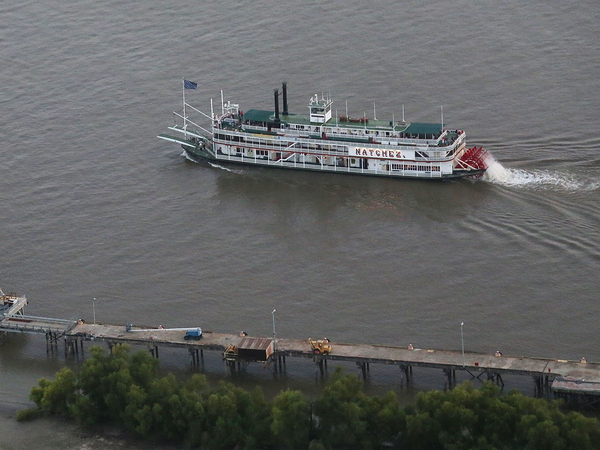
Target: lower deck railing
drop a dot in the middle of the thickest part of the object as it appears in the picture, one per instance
(261, 161)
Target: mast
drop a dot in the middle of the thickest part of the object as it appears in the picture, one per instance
(212, 116)
(442, 108)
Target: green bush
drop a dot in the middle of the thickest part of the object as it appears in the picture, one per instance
(124, 389)
(25, 415)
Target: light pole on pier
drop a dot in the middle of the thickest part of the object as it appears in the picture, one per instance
(273, 313)
(462, 340)
(94, 311)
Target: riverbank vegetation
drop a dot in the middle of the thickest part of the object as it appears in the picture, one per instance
(124, 389)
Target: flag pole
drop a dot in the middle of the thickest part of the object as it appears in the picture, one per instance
(184, 116)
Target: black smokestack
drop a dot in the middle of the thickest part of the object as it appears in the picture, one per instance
(285, 105)
(276, 95)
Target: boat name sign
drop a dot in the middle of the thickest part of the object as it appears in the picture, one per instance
(379, 153)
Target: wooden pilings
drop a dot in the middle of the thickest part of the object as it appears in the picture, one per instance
(321, 364)
(542, 385)
(496, 377)
(153, 349)
(407, 371)
(52, 338)
(364, 368)
(73, 347)
(196, 357)
(279, 366)
(450, 382)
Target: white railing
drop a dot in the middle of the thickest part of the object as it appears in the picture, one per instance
(309, 145)
(259, 161)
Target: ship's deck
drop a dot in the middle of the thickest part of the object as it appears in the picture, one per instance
(258, 115)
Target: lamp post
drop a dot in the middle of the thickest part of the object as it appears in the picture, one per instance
(273, 313)
(462, 340)
(94, 311)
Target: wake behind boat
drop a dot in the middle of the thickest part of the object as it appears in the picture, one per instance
(319, 141)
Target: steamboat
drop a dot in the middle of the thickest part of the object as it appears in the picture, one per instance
(320, 141)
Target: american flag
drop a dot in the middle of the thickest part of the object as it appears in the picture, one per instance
(189, 84)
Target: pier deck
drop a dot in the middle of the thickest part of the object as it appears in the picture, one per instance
(13, 319)
(36, 325)
(570, 379)
(568, 376)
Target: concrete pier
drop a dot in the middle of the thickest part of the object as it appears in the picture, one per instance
(567, 378)
(572, 380)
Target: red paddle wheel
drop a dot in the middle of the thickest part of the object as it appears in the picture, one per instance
(474, 159)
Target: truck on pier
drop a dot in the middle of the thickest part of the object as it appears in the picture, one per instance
(320, 347)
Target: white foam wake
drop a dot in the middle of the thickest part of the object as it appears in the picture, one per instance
(495, 171)
(186, 156)
(216, 166)
(544, 179)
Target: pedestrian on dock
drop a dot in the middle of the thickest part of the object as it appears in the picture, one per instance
(583, 361)
(498, 353)
(410, 347)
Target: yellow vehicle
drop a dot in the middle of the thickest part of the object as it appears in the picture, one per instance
(320, 347)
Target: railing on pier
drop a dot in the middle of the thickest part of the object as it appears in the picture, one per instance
(35, 325)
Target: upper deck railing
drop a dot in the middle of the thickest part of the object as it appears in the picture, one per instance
(331, 147)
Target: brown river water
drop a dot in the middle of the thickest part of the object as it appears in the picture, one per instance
(93, 205)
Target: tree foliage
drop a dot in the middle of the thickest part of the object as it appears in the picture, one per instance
(125, 389)
(484, 418)
(291, 419)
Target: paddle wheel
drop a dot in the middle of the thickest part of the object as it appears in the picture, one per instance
(475, 159)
